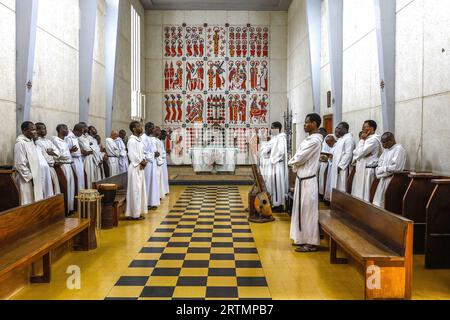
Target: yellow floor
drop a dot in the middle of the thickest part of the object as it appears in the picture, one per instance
(289, 275)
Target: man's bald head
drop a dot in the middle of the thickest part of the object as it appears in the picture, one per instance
(388, 140)
(330, 140)
(114, 134)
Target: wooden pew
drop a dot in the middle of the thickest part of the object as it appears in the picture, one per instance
(116, 207)
(393, 199)
(415, 205)
(437, 242)
(373, 189)
(9, 192)
(376, 239)
(29, 233)
(350, 177)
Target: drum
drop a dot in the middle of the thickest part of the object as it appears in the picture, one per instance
(89, 207)
(108, 191)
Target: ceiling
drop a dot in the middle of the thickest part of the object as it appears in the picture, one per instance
(230, 5)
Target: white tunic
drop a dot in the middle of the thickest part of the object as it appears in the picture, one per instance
(26, 163)
(323, 166)
(342, 158)
(46, 177)
(113, 152)
(366, 154)
(164, 179)
(46, 144)
(65, 161)
(392, 160)
(123, 157)
(279, 180)
(265, 167)
(136, 191)
(90, 162)
(151, 177)
(306, 210)
(77, 165)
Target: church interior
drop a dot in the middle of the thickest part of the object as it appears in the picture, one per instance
(225, 150)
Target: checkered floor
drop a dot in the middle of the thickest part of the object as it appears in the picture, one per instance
(204, 249)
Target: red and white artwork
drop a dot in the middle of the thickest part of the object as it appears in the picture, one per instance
(195, 41)
(216, 41)
(259, 109)
(216, 75)
(173, 75)
(173, 104)
(237, 75)
(259, 76)
(195, 105)
(215, 109)
(237, 41)
(195, 75)
(259, 42)
(173, 41)
(237, 109)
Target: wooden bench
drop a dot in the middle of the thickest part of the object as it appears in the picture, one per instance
(373, 237)
(415, 205)
(437, 242)
(29, 233)
(393, 198)
(9, 192)
(119, 196)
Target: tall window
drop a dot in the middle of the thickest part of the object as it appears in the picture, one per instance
(137, 99)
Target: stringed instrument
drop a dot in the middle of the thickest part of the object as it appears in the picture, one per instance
(261, 211)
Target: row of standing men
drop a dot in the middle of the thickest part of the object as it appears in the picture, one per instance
(314, 155)
(80, 155)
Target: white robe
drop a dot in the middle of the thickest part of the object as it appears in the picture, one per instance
(46, 144)
(90, 162)
(136, 190)
(323, 166)
(265, 167)
(123, 158)
(113, 152)
(366, 154)
(46, 177)
(77, 164)
(392, 160)
(26, 162)
(151, 177)
(65, 161)
(306, 164)
(279, 180)
(342, 158)
(164, 178)
(158, 161)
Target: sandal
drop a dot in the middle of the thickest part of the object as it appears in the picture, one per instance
(306, 248)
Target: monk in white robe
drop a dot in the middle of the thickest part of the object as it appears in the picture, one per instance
(366, 157)
(65, 161)
(279, 180)
(46, 177)
(305, 211)
(136, 189)
(342, 158)
(113, 152)
(123, 157)
(325, 158)
(392, 160)
(330, 140)
(99, 156)
(50, 153)
(164, 171)
(91, 159)
(159, 160)
(26, 162)
(151, 177)
(75, 151)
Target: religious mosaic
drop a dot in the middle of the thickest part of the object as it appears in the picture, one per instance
(215, 77)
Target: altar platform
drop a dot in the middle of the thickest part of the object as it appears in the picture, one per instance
(185, 175)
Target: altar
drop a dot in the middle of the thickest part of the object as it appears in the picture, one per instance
(213, 159)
